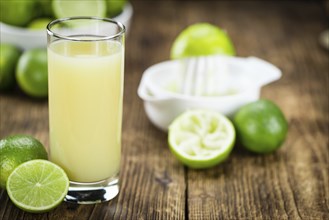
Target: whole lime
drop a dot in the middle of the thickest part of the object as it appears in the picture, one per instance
(32, 72)
(64, 8)
(39, 24)
(37, 186)
(9, 55)
(18, 13)
(201, 39)
(45, 8)
(115, 7)
(15, 150)
(261, 126)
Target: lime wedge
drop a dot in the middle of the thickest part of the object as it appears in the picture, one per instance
(64, 8)
(201, 138)
(37, 186)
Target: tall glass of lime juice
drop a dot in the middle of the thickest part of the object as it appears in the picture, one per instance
(86, 68)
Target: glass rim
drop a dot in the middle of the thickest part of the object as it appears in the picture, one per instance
(57, 21)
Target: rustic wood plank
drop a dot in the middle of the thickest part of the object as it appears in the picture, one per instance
(291, 183)
(153, 187)
(152, 183)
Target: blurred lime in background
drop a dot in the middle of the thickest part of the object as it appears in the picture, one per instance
(261, 126)
(201, 39)
(64, 8)
(18, 13)
(45, 8)
(23, 12)
(9, 56)
(39, 24)
(115, 7)
(32, 72)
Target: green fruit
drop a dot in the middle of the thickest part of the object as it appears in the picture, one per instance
(32, 72)
(37, 186)
(201, 39)
(45, 8)
(18, 13)
(8, 60)
(64, 8)
(115, 7)
(261, 126)
(39, 24)
(201, 138)
(15, 150)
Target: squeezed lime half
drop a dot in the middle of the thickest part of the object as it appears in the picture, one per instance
(201, 138)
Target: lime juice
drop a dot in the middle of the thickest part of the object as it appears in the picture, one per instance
(85, 107)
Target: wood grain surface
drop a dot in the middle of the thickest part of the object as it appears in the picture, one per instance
(292, 183)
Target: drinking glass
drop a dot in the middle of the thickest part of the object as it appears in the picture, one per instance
(86, 73)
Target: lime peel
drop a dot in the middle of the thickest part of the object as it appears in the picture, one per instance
(64, 8)
(261, 126)
(17, 149)
(201, 138)
(201, 39)
(37, 186)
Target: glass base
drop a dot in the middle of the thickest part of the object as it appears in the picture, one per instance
(90, 193)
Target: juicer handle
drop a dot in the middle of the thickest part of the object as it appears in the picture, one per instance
(262, 71)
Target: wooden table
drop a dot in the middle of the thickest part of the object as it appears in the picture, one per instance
(292, 183)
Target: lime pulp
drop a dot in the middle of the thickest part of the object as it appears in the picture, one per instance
(201, 138)
(37, 186)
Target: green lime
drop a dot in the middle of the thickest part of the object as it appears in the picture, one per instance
(45, 7)
(32, 72)
(115, 7)
(18, 13)
(15, 150)
(201, 138)
(37, 186)
(201, 39)
(8, 60)
(261, 126)
(39, 24)
(64, 8)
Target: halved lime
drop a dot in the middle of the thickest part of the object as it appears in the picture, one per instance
(37, 186)
(9, 55)
(64, 8)
(201, 138)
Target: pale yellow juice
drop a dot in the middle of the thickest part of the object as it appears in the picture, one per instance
(85, 108)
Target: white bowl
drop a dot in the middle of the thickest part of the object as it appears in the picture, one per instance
(246, 75)
(27, 39)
